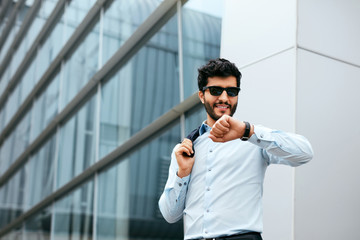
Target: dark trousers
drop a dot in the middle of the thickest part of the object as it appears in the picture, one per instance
(244, 236)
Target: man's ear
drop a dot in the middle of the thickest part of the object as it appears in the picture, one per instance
(201, 96)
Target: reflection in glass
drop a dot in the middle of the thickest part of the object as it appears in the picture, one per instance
(18, 57)
(144, 89)
(113, 202)
(128, 194)
(194, 118)
(7, 43)
(38, 226)
(12, 198)
(42, 16)
(45, 107)
(27, 81)
(22, 135)
(12, 104)
(49, 49)
(40, 177)
(81, 66)
(2, 122)
(77, 144)
(75, 13)
(120, 20)
(4, 80)
(201, 21)
(73, 214)
(15, 143)
(19, 19)
(6, 154)
(15, 234)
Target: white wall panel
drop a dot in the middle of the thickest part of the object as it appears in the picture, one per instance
(267, 93)
(328, 113)
(268, 98)
(330, 27)
(254, 29)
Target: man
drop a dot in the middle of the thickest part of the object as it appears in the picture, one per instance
(218, 191)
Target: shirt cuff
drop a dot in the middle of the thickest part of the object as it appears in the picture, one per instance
(262, 136)
(180, 184)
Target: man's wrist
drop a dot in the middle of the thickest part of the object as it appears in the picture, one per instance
(182, 174)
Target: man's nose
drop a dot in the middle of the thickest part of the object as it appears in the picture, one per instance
(224, 97)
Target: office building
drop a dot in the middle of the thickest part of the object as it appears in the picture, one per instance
(94, 95)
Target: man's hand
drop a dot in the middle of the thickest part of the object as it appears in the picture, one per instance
(185, 163)
(228, 128)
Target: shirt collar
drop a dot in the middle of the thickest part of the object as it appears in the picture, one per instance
(204, 128)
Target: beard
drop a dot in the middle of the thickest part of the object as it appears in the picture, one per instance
(210, 109)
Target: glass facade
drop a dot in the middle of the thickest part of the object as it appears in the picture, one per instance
(78, 159)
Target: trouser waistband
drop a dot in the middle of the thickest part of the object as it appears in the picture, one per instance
(243, 236)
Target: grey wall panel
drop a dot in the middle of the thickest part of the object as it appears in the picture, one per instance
(330, 27)
(327, 189)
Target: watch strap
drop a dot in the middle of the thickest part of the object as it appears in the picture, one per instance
(246, 135)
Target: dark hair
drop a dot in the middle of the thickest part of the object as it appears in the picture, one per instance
(219, 67)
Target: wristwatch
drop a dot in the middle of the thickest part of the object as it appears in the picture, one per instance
(246, 137)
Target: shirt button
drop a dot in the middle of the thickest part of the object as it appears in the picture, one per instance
(208, 210)
(208, 189)
(258, 140)
(209, 169)
(180, 184)
(261, 136)
(210, 150)
(184, 183)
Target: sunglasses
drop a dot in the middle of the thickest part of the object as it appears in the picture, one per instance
(217, 91)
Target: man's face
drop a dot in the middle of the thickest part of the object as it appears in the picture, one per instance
(217, 106)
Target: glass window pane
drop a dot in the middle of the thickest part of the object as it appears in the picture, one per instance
(73, 214)
(18, 56)
(75, 13)
(27, 81)
(81, 66)
(7, 44)
(129, 192)
(40, 177)
(45, 107)
(21, 13)
(12, 198)
(15, 144)
(2, 120)
(38, 226)
(141, 91)
(12, 104)
(47, 6)
(15, 234)
(7, 149)
(77, 143)
(201, 21)
(5, 78)
(22, 135)
(49, 50)
(194, 118)
(120, 20)
(15, 61)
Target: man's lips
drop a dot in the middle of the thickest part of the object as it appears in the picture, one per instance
(222, 107)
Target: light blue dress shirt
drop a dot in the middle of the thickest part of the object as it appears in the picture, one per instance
(223, 194)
